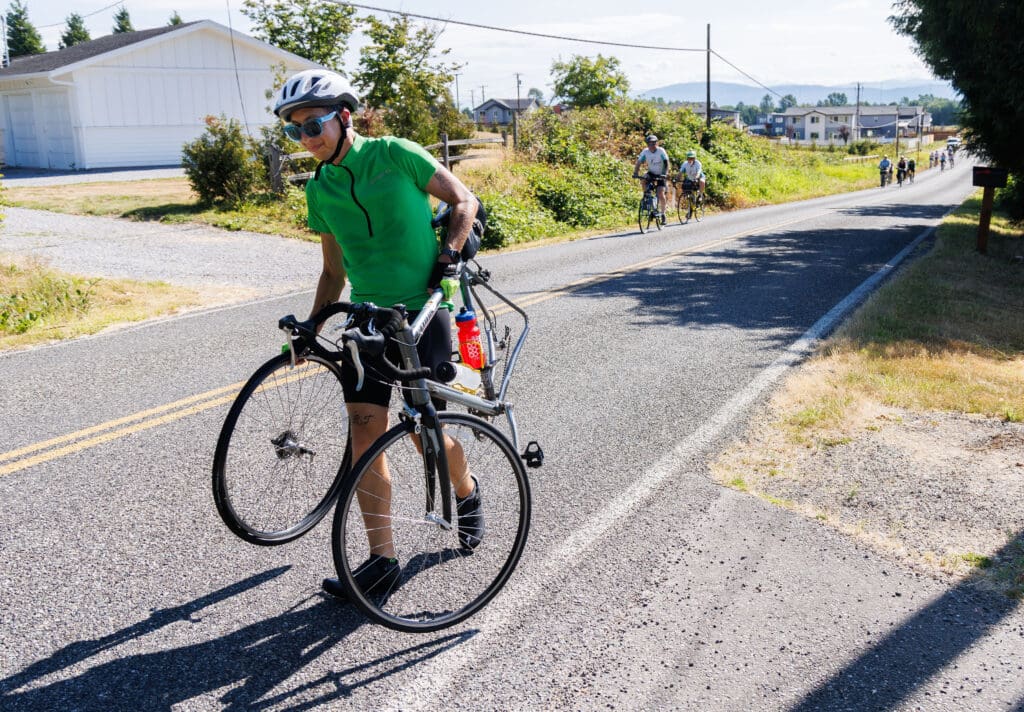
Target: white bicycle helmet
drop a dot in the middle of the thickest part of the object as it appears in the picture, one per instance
(314, 87)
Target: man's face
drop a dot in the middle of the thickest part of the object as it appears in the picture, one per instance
(652, 146)
(321, 146)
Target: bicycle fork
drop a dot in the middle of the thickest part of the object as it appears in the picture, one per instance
(436, 475)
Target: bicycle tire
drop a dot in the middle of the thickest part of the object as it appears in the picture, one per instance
(698, 210)
(642, 215)
(282, 450)
(442, 583)
(681, 208)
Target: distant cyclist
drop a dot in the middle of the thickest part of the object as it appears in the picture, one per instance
(693, 171)
(885, 170)
(657, 162)
(911, 169)
(942, 160)
(901, 169)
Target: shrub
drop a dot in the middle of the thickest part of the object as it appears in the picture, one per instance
(35, 296)
(223, 165)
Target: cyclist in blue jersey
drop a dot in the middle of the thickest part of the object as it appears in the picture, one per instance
(369, 201)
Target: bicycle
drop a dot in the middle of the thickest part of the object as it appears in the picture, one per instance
(689, 203)
(281, 461)
(648, 209)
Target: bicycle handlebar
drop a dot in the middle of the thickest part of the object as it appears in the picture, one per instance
(355, 341)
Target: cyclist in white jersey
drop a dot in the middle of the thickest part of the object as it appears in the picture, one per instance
(658, 164)
(693, 171)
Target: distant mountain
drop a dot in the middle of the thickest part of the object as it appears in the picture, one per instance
(730, 94)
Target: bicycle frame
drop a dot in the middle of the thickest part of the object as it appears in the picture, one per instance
(493, 403)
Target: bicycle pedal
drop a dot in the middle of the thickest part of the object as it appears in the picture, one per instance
(533, 455)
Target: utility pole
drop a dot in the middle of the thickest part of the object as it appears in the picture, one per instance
(515, 114)
(709, 79)
(856, 116)
(458, 105)
(482, 97)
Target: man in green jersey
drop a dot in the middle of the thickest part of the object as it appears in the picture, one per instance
(369, 200)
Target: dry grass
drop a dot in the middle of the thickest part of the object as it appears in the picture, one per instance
(944, 337)
(96, 304)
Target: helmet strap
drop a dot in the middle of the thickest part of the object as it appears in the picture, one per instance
(337, 149)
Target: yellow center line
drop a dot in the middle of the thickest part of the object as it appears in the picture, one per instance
(192, 405)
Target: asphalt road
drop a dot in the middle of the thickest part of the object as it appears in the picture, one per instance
(644, 584)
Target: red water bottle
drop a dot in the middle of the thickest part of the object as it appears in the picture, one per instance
(469, 339)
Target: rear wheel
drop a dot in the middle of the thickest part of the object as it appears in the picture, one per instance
(441, 581)
(281, 451)
(698, 208)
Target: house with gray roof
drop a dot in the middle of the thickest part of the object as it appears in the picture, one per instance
(499, 111)
(134, 98)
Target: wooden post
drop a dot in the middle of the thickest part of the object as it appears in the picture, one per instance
(275, 159)
(515, 129)
(444, 151)
(985, 218)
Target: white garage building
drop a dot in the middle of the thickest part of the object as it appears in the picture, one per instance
(135, 98)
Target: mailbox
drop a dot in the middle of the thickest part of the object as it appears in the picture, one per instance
(989, 177)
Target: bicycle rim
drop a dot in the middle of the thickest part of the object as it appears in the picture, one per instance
(681, 209)
(698, 211)
(641, 215)
(441, 583)
(281, 451)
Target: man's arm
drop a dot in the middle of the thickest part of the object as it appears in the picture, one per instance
(443, 185)
(332, 277)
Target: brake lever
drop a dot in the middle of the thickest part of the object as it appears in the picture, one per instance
(353, 351)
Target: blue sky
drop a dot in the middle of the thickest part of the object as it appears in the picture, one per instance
(837, 42)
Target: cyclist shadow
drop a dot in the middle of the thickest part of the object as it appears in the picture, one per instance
(253, 662)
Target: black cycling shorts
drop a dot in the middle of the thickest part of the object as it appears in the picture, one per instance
(435, 346)
(656, 180)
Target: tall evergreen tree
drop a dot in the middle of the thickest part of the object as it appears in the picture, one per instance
(74, 33)
(175, 19)
(122, 22)
(22, 36)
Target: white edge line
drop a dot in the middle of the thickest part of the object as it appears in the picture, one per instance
(434, 677)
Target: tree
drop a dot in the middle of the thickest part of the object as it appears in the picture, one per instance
(980, 54)
(175, 19)
(400, 72)
(767, 104)
(786, 102)
(836, 98)
(318, 31)
(122, 21)
(22, 36)
(75, 32)
(589, 82)
(536, 94)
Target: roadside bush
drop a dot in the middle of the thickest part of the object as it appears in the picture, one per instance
(864, 147)
(512, 219)
(223, 165)
(1011, 198)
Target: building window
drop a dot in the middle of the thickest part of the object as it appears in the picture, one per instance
(815, 119)
(814, 135)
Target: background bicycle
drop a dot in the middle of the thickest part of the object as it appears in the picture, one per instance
(689, 204)
(647, 212)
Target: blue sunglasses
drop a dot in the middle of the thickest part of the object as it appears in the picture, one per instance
(311, 128)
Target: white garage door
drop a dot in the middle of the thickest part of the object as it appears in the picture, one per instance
(24, 136)
(42, 140)
(56, 122)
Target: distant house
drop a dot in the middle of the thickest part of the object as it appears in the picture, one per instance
(499, 111)
(725, 116)
(839, 124)
(134, 98)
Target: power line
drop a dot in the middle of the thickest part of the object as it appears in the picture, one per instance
(763, 86)
(97, 12)
(515, 32)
